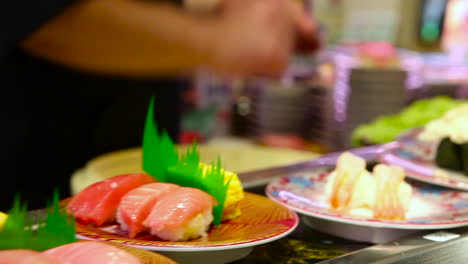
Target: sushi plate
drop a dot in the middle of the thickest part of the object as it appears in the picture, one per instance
(261, 221)
(145, 256)
(417, 158)
(432, 207)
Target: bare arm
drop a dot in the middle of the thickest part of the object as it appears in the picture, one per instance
(138, 38)
(123, 37)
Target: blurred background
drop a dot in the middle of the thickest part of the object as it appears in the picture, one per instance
(383, 67)
(377, 60)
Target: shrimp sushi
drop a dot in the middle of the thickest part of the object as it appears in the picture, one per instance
(98, 202)
(136, 205)
(90, 252)
(182, 215)
(24, 256)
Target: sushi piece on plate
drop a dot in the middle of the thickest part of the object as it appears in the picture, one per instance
(353, 190)
(392, 193)
(449, 133)
(25, 256)
(90, 252)
(346, 181)
(136, 205)
(184, 214)
(98, 202)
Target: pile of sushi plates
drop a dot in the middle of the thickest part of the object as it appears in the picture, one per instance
(135, 210)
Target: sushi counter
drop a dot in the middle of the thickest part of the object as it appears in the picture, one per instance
(316, 240)
(400, 202)
(307, 245)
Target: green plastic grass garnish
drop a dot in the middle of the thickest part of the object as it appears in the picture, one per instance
(217, 185)
(160, 159)
(159, 152)
(58, 227)
(23, 231)
(209, 178)
(14, 233)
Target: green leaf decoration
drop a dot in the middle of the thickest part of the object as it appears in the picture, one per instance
(209, 178)
(216, 184)
(158, 150)
(58, 227)
(191, 156)
(17, 229)
(160, 159)
(23, 231)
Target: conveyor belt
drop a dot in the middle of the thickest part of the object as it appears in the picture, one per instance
(447, 246)
(260, 178)
(435, 246)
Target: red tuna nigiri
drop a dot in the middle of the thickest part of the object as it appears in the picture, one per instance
(90, 252)
(24, 256)
(136, 205)
(98, 203)
(185, 213)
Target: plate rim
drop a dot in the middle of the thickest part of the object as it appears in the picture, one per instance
(417, 170)
(211, 247)
(362, 221)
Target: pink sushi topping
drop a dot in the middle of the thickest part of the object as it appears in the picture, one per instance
(90, 252)
(177, 208)
(136, 205)
(23, 256)
(98, 202)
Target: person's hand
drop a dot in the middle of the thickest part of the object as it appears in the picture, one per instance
(259, 36)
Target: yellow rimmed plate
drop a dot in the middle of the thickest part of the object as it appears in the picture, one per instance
(262, 221)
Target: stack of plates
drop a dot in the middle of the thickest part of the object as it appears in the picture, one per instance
(276, 109)
(299, 108)
(373, 93)
(320, 123)
(363, 94)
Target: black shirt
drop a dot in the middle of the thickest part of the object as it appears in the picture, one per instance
(20, 18)
(56, 119)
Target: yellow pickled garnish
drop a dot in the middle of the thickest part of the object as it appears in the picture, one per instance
(235, 194)
(3, 218)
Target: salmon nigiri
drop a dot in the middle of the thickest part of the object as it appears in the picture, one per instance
(98, 202)
(184, 214)
(136, 205)
(90, 252)
(24, 256)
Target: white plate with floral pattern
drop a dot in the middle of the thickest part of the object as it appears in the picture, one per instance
(432, 206)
